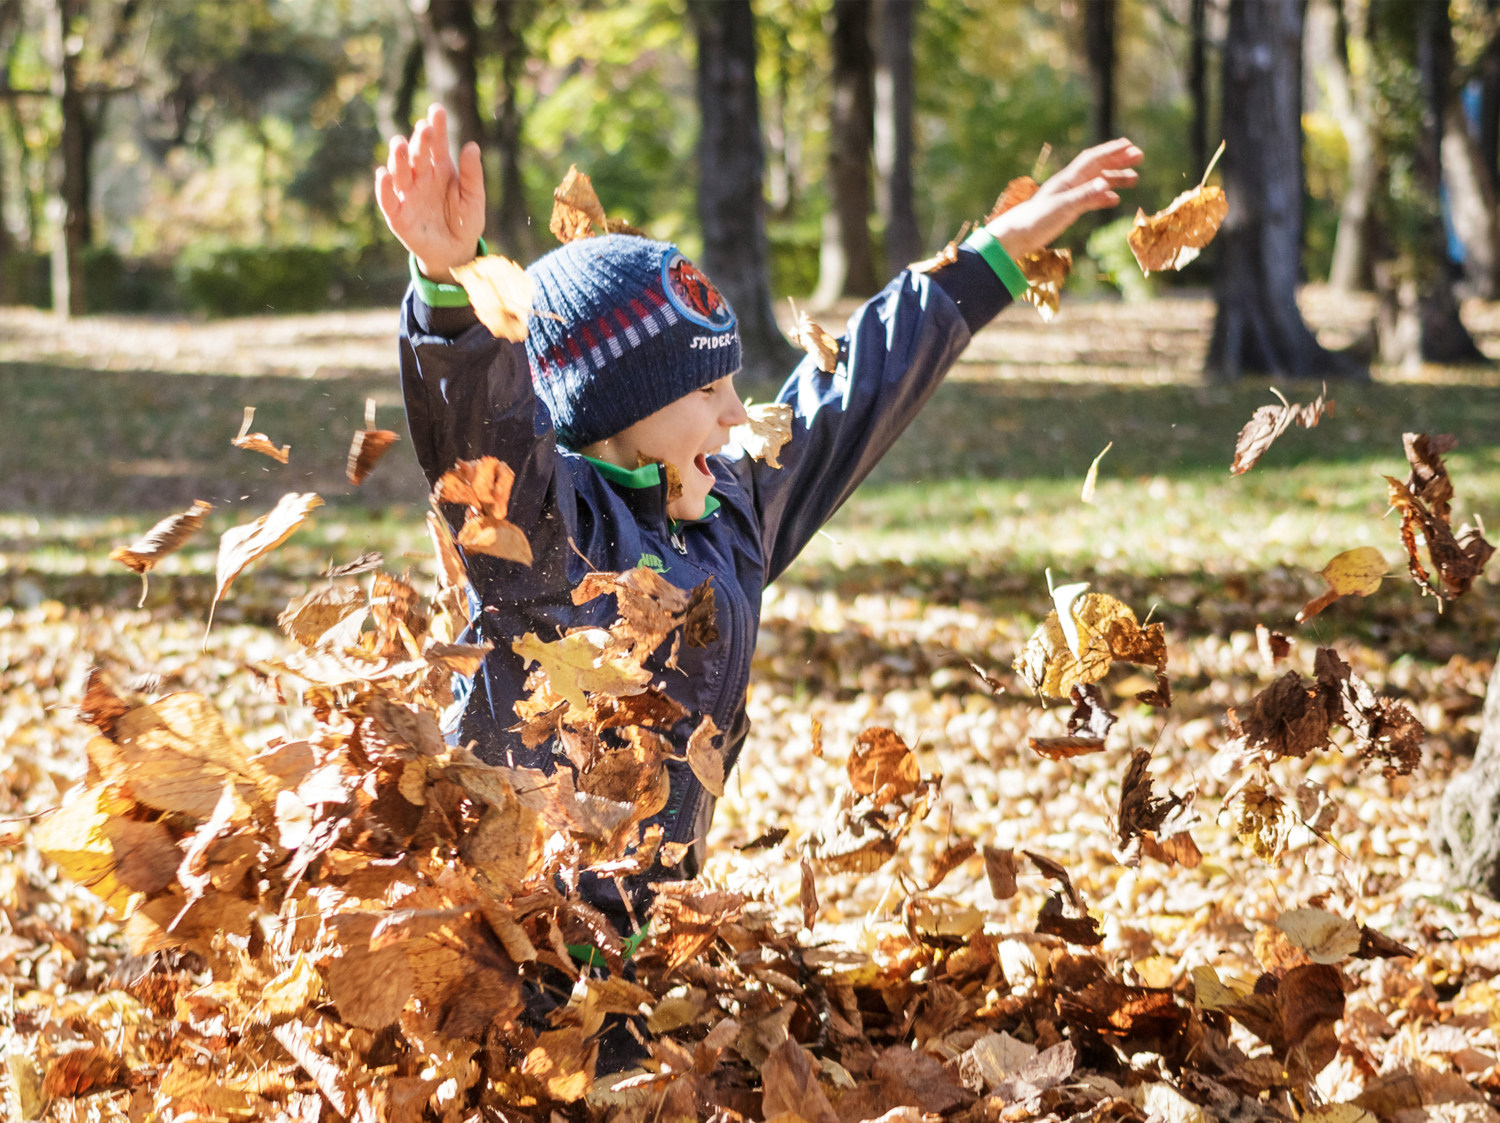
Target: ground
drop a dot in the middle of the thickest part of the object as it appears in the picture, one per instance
(940, 560)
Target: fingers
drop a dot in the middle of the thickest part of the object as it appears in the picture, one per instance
(386, 195)
(1111, 159)
(398, 165)
(470, 171)
(1094, 195)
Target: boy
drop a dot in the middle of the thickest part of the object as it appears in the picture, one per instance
(637, 368)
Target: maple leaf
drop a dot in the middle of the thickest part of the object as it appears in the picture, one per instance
(1171, 238)
(813, 339)
(1356, 573)
(575, 207)
(368, 447)
(579, 664)
(501, 293)
(259, 442)
(240, 546)
(1268, 423)
(166, 537)
(483, 486)
(767, 430)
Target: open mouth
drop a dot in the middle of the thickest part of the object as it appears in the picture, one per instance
(701, 463)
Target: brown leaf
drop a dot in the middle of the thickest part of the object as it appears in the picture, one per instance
(809, 895)
(945, 256)
(368, 446)
(1107, 630)
(1091, 716)
(259, 442)
(764, 434)
(650, 608)
(575, 207)
(1274, 647)
(1017, 191)
(240, 546)
(166, 537)
(500, 292)
(1429, 480)
(881, 765)
(370, 988)
(812, 338)
(1268, 423)
(1458, 558)
(1143, 816)
(700, 623)
(483, 486)
(80, 1072)
(790, 1086)
(949, 859)
(1062, 748)
(1310, 1000)
(1285, 719)
(370, 559)
(101, 706)
(1046, 272)
(687, 918)
(773, 837)
(673, 476)
(991, 683)
(706, 761)
(1261, 822)
(1383, 728)
(1000, 869)
(310, 617)
(1171, 238)
(1053, 920)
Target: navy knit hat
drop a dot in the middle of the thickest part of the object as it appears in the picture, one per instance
(640, 328)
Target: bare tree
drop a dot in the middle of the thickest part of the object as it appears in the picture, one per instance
(1258, 326)
(894, 98)
(512, 229)
(69, 208)
(1335, 30)
(1198, 79)
(731, 165)
(846, 265)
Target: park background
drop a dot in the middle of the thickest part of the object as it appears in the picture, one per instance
(187, 227)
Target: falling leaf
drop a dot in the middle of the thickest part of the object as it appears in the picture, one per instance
(948, 860)
(575, 207)
(1062, 599)
(1458, 558)
(1261, 822)
(773, 837)
(706, 761)
(1325, 937)
(166, 537)
(1171, 238)
(668, 469)
(762, 436)
(1046, 271)
(808, 896)
(370, 559)
(1273, 646)
(880, 765)
(1356, 572)
(813, 339)
(1017, 191)
(1268, 423)
(501, 292)
(578, 663)
(483, 486)
(1145, 819)
(945, 256)
(368, 446)
(700, 622)
(1092, 479)
(1107, 631)
(1062, 748)
(1000, 869)
(259, 442)
(243, 545)
(309, 618)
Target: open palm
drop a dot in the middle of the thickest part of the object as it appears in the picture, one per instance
(433, 208)
(1086, 184)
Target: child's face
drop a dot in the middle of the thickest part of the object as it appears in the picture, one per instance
(684, 434)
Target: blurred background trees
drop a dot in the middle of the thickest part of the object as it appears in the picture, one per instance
(215, 155)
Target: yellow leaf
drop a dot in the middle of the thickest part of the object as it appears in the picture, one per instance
(501, 293)
(1212, 992)
(1261, 822)
(1325, 937)
(1338, 1113)
(76, 837)
(1356, 573)
(243, 545)
(1091, 480)
(259, 442)
(290, 992)
(769, 427)
(577, 664)
(706, 761)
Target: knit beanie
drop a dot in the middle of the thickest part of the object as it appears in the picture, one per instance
(640, 327)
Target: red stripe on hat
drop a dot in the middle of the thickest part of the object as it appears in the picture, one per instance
(655, 296)
(604, 329)
(573, 349)
(624, 323)
(588, 337)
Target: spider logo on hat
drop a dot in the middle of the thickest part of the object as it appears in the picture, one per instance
(693, 294)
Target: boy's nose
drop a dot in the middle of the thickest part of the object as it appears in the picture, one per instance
(735, 414)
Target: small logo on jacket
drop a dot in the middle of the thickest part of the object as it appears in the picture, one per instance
(652, 561)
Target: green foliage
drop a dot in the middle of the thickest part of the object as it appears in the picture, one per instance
(248, 281)
(1110, 248)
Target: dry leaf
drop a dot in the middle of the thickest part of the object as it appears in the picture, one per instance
(501, 293)
(242, 545)
(1061, 748)
(704, 759)
(259, 442)
(1425, 505)
(1171, 238)
(1107, 630)
(808, 897)
(166, 537)
(1091, 480)
(575, 207)
(309, 618)
(1325, 937)
(1046, 271)
(579, 663)
(1144, 818)
(1261, 822)
(880, 765)
(1017, 191)
(1000, 869)
(1268, 423)
(1356, 573)
(769, 427)
(949, 859)
(483, 486)
(368, 447)
(945, 256)
(1273, 646)
(813, 339)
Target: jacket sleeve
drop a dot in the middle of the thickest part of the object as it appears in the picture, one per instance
(469, 395)
(898, 347)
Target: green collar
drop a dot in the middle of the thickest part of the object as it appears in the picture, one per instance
(647, 475)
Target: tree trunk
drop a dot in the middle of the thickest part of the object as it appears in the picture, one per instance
(894, 97)
(1471, 203)
(1351, 99)
(69, 207)
(1488, 73)
(449, 49)
(10, 26)
(1258, 326)
(512, 229)
(731, 164)
(1466, 825)
(1444, 339)
(1099, 51)
(398, 82)
(847, 264)
(1198, 79)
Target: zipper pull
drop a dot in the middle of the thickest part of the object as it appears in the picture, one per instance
(678, 544)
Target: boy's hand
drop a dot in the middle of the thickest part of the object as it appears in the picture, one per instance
(1087, 184)
(435, 210)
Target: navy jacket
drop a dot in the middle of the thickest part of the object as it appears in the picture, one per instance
(470, 395)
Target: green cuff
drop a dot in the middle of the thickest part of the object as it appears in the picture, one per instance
(436, 295)
(590, 956)
(989, 248)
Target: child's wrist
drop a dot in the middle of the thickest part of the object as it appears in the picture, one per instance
(438, 272)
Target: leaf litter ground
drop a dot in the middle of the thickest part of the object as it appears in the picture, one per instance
(1008, 1024)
